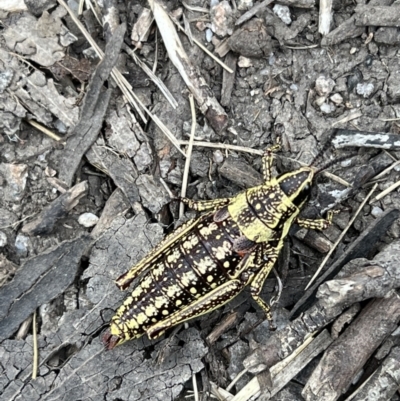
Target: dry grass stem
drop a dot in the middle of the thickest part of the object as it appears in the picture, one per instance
(253, 11)
(235, 380)
(19, 221)
(45, 130)
(252, 389)
(195, 389)
(387, 170)
(224, 146)
(195, 82)
(80, 7)
(35, 348)
(172, 196)
(328, 255)
(258, 152)
(123, 84)
(205, 50)
(164, 90)
(334, 177)
(219, 393)
(386, 192)
(389, 119)
(349, 117)
(301, 47)
(195, 8)
(188, 155)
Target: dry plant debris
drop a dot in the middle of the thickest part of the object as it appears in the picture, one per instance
(95, 118)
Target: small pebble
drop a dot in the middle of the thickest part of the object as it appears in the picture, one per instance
(376, 211)
(244, 5)
(324, 85)
(218, 157)
(22, 245)
(88, 219)
(365, 89)
(336, 98)
(244, 62)
(221, 15)
(327, 108)
(209, 35)
(283, 12)
(3, 239)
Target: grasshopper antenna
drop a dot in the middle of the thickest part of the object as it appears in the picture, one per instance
(327, 144)
(333, 162)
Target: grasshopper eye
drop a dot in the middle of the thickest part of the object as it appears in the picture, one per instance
(296, 186)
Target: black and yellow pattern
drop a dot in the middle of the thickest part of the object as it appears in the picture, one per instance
(209, 260)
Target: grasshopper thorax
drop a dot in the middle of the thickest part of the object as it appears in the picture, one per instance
(297, 185)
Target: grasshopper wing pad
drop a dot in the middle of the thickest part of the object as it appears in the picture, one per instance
(126, 279)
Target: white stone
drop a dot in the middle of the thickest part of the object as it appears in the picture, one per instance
(324, 85)
(283, 12)
(244, 62)
(209, 35)
(3, 239)
(88, 219)
(365, 89)
(22, 243)
(218, 157)
(376, 211)
(244, 5)
(327, 108)
(336, 98)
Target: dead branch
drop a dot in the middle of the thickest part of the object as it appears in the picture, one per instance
(94, 108)
(56, 210)
(334, 374)
(197, 85)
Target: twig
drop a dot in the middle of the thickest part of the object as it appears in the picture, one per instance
(195, 390)
(260, 153)
(349, 117)
(195, 8)
(325, 16)
(334, 177)
(35, 348)
(123, 84)
(234, 381)
(205, 50)
(80, 7)
(328, 255)
(19, 221)
(389, 119)
(155, 53)
(301, 47)
(188, 154)
(253, 11)
(386, 191)
(387, 170)
(195, 82)
(45, 130)
(224, 146)
(164, 90)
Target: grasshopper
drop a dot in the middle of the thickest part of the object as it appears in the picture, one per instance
(209, 260)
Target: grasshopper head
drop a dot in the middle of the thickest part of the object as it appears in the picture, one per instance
(297, 185)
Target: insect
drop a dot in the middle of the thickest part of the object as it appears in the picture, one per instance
(209, 260)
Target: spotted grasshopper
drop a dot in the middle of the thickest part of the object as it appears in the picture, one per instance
(209, 260)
